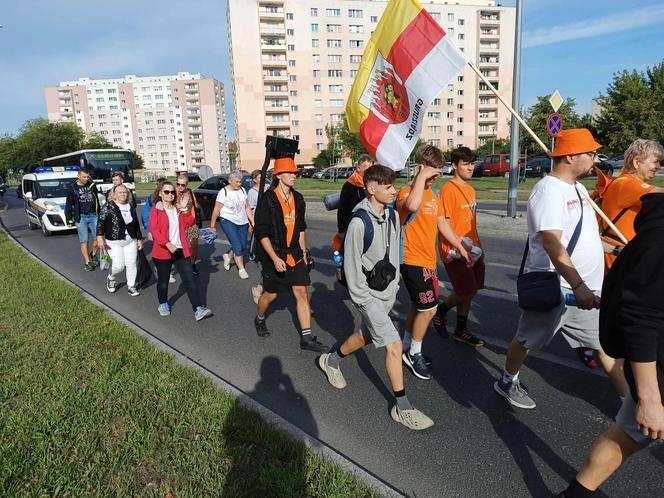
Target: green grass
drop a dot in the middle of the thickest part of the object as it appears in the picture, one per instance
(89, 408)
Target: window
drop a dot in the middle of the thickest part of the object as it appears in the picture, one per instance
(335, 118)
(336, 88)
(435, 15)
(316, 57)
(294, 108)
(293, 93)
(334, 28)
(291, 63)
(433, 115)
(314, 12)
(315, 43)
(450, 115)
(459, 106)
(333, 12)
(460, 36)
(292, 78)
(450, 142)
(459, 120)
(334, 58)
(319, 146)
(353, 73)
(319, 132)
(295, 122)
(355, 13)
(374, 18)
(100, 90)
(318, 103)
(356, 28)
(450, 17)
(100, 99)
(434, 129)
(435, 142)
(336, 103)
(289, 16)
(357, 44)
(460, 133)
(461, 22)
(316, 73)
(318, 117)
(450, 128)
(355, 59)
(335, 73)
(314, 27)
(436, 101)
(333, 43)
(316, 88)
(291, 48)
(460, 78)
(290, 32)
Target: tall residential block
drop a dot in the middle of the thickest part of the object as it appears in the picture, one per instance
(294, 62)
(176, 123)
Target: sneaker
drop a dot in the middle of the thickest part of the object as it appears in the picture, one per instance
(467, 337)
(310, 343)
(110, 285)
(417, 365)
(514, 394)
(133, 292)
(89, 266)
(94, 260)
(413, 419)
(440, 325)
(164, 309)
(261, 327)
(243, 274)
(334, 375)
(587, 356)
(256, 292)
(171, 279)
(194, 270)
(227, 261)
(202, 312)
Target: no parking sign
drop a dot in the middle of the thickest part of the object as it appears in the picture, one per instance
(554, 124)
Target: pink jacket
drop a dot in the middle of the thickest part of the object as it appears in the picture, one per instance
(159, 231)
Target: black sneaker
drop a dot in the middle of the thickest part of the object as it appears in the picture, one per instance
(89, 267)
(310, 343)
(261, 327)
(467, 337)
(194, 270)
(94, 260)
(417, 365)
(439, 324)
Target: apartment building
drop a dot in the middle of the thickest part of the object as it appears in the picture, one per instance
(175, 122)
(294, 62)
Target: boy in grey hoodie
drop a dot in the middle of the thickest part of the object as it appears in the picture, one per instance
(374, 305)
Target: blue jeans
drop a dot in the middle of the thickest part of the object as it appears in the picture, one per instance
(237, 236)
(87, 228)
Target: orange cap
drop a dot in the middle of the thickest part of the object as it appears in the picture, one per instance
(574, 141)
(284, 165)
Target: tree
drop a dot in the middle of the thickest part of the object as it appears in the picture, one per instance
(633, 107)
(351, 145)
(232, 152)
(96, 141)
(497, 146)
(138, 160)
(323, 159)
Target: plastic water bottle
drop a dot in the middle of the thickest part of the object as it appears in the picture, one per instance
(570, 300)
(339, 264)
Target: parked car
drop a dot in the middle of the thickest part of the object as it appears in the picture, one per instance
(192, 176)
(538, 167)
(607, 168)
(448, 169)
(499, 165)
(307, 171)
(477, 172)
(206, 192)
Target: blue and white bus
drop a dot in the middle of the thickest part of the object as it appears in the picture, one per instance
(101, 163)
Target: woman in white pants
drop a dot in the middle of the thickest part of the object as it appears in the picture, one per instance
(119, 231)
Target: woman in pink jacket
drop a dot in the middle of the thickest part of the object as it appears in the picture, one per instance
(168, 226)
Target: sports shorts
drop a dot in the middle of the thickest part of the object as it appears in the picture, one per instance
(377, 324)
(422, 286)
(466, 280)
(277, 282)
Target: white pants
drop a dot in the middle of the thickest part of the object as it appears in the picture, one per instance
(123, 255)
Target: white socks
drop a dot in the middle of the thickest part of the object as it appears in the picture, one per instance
(415, 347)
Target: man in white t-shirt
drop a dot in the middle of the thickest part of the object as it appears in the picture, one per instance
(556, 205)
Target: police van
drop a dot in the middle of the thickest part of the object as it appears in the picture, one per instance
(45, 195)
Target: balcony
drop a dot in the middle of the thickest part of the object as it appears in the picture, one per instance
(489, 37)
(486, 133)
(489, 63)
(271, 15)
(487, 120)
(276, 108)
(489, 50)
(273, 62)
(489, 106)
(272, 78)
(279, 93)
(489, 19)
(277, 124)
(192, 96)
(276, 29)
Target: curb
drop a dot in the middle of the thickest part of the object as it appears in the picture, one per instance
(312, 444)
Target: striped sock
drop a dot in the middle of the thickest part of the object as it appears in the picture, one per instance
(305, 332)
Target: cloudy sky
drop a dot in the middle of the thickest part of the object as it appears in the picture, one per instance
(571, 45)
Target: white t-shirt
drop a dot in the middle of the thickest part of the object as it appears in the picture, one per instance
(252, 196)
(554, 205)
(174, 227)
(125, 211)
(234, 202)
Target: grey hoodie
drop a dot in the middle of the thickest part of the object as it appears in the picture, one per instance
(360, 293)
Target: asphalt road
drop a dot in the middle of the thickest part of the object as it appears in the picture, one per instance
(478, 447)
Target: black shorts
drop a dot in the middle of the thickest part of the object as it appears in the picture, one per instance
(422, 285)
(275, 282)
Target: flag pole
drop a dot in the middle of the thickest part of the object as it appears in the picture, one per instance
(601, 213)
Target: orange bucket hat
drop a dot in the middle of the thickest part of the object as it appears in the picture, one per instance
(284, 165)
(574, 141)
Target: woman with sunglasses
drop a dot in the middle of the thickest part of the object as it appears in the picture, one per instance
(186, 201)
(118, 230)
(168, 225)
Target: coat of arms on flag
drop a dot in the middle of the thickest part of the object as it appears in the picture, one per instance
(406, 64)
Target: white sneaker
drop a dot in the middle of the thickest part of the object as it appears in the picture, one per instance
(171, 279)
(413, 419)
(334, 375)
(243, 274)
(256, 292)
(227, 261)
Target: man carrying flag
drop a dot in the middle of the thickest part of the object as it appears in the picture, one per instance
(408, 61)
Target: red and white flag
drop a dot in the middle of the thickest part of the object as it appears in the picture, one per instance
(408, 61)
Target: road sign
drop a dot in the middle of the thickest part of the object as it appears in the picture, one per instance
(556, 100)
(554, 123)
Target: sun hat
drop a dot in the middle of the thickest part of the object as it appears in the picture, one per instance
(574, 141)
(284, 165)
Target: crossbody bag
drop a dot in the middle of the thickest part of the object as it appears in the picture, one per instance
(540, 290)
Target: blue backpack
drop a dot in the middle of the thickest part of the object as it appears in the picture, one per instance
(410, 218)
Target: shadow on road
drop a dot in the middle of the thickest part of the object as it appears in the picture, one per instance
(275, 467)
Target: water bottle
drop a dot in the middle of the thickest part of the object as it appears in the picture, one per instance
(570, 300)
(339, 264)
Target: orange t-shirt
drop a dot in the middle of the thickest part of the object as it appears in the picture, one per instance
(460, 208)
(624, 193)
(419, 240)
(288, 209)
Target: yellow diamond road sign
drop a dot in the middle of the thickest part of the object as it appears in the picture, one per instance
(556, 100)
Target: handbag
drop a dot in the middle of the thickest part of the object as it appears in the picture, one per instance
(540, 290)
(143, 269)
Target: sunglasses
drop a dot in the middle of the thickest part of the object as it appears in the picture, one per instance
(181, 184)
(168, 192)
